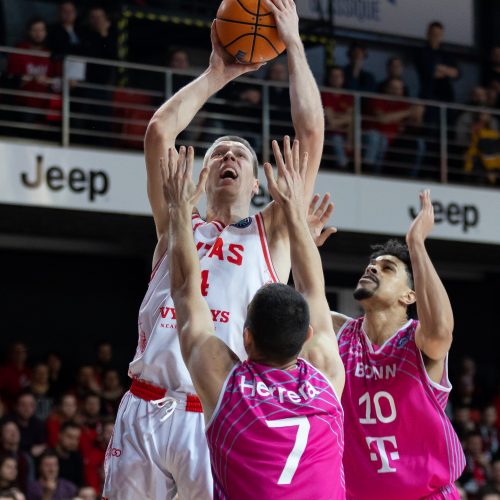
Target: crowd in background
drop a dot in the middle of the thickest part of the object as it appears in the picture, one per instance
(56, 422)
(398, 136)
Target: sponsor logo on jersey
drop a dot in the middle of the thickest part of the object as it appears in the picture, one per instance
(243, 223)
(218, 316)
(403, 340)
(116, 452)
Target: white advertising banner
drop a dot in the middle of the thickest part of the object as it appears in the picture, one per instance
(80, 179)
(407, 18)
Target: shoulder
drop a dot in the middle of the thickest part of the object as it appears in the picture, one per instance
(340, 321)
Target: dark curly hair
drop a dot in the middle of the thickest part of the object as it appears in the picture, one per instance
(397, 249)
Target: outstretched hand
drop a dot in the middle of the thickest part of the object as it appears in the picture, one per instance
(287, 19)
(179, 189)
(223, 63)
(317, 218)
(423, 224)
(288, 189)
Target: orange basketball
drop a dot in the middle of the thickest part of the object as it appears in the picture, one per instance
(247, 30)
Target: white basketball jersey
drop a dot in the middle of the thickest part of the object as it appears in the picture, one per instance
(235, 262)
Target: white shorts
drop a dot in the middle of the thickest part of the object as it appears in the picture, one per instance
(154, 455)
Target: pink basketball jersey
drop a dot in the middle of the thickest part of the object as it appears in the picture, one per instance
(399, 443)
(277, 434)
(235, 262)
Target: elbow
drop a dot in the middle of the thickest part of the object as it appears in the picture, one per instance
(155, 131)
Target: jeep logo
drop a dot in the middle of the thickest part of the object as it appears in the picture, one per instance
(94, 182)
(466, 216)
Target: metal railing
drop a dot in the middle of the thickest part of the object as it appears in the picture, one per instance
(379, 134)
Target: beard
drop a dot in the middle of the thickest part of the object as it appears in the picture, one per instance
(363, 293)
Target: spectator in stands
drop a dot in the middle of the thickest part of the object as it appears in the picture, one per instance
(35, 73)
(86, 493)
(70, 459)
(492, 73)
(8, 479)
(394, 69)
(462, 422)
(54, 363)
(31, 428)
(489, 430)
(40, 387)
(357, 78)
(93, 456)
(489, 495)
(436, 68)
(493, 485)
(112, 391)
(10, 438)
(104, 359)
(67, 411)
(65, 37)
(86, 382)
(100, 42)
(179, 60)
(475, 474)
(470, 122)
(339, 115)
(389, 120)
(49, 485)
(91, 418)
(14, 374)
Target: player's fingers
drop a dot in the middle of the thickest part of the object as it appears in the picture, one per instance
(172, 162)
(164, 172)
(181, 162)
(202, 180)
(312, 205)
(288, 153)
(296, 156)
(324, 202)
(279, 158)
(189, 162)
(270, 5)
(327, 213)
(271, 181)
(320, 240)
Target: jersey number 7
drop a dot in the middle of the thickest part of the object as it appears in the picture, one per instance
(292, 462)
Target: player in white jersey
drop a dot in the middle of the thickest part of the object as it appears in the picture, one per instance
(159, 448)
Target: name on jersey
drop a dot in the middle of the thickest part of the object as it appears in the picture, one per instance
(305, 392)
(232, 253)
(217, 315)
(375, 372)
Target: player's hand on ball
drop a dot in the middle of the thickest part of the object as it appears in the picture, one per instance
(179, 189)
(317, 217)
(423, 224)
(287, 19)
(288, 189)
(224, 64)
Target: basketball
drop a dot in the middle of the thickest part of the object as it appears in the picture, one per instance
(247, 30)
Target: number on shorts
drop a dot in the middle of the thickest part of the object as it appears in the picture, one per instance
(292, 462)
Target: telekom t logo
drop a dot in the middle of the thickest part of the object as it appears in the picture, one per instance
(383, 454)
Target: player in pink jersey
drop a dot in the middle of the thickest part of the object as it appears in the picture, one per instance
(274, 422)
(399, 443)
(163, 451)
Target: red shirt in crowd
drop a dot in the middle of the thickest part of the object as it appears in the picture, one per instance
(13, 380)
(382, 106)
(338, 103)
(33, 66)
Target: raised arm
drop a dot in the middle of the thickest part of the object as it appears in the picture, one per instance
(322, 350)
(176, 114)
(307, 109)
(435, 330)
(207, 358)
